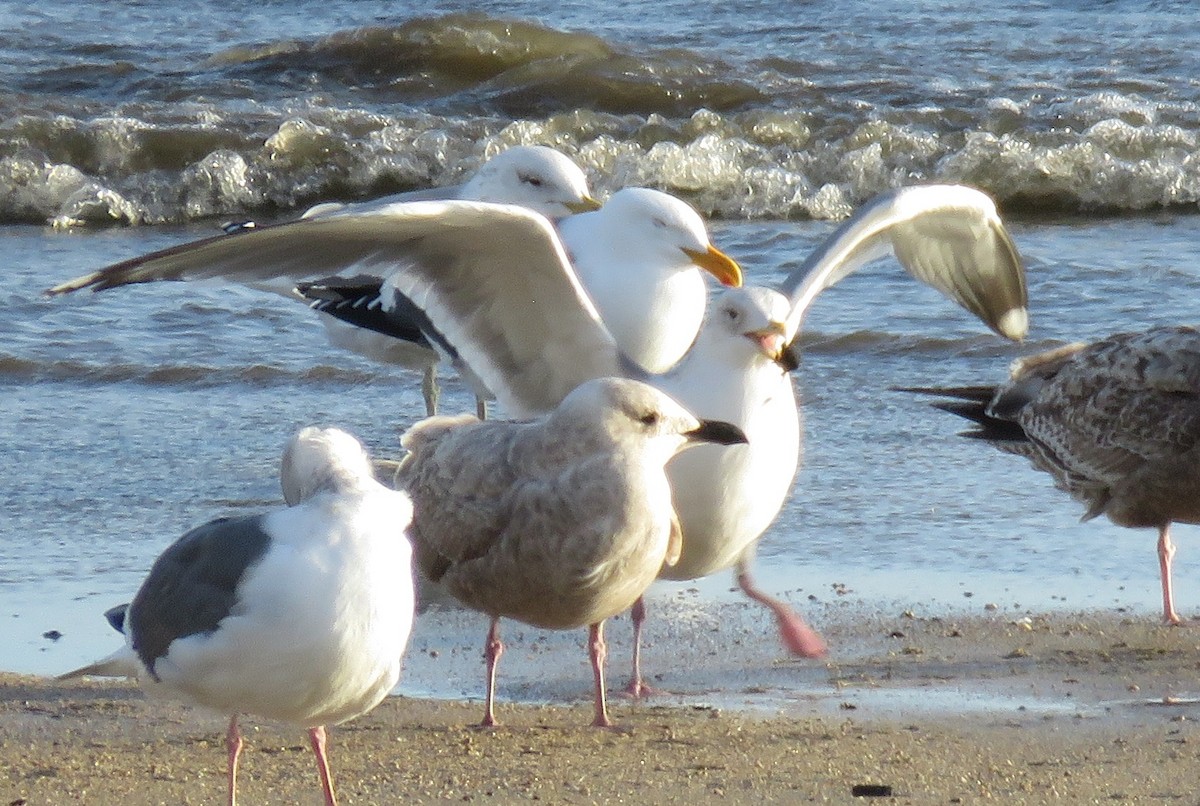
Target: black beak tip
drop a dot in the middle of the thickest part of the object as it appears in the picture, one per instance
(719, 433)
(789, 357)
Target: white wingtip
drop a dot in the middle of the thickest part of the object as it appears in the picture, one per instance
(1014, 324)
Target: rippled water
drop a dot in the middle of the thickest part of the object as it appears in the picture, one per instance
(130, 416)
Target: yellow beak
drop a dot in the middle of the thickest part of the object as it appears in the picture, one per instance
(717, 263)
(585, 205)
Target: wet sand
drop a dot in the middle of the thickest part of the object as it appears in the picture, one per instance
(951, 708)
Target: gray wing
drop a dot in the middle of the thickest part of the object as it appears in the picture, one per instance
(192, 586)
(947, 236)
(457, 472)
(495, 281)
(327, 239)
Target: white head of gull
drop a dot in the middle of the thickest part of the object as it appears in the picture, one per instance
(561, 522)
(640, 259)
(1114, 423)
(299, 615)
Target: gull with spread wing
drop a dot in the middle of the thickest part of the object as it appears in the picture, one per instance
(535, 177)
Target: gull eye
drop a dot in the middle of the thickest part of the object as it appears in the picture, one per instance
(530, 179)
(650, 419)
(732, 314)
(661, 223)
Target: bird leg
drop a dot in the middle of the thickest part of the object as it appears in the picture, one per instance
(316, 737)
(430, 390)
(233, 742)
(1166, 552)
(798, 637)
(492, 652)
(597, 651)
(480, 408)
(638, 687)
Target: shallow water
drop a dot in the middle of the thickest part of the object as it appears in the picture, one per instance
(130, 416)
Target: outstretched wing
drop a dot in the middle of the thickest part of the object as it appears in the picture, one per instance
(947, 236)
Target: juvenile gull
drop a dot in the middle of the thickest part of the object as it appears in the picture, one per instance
(1116, 424)
(561, 522)
(536, 177)
(299, 615)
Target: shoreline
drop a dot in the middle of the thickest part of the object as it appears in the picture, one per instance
(1016, 708)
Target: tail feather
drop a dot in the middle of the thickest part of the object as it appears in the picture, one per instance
(972, 403)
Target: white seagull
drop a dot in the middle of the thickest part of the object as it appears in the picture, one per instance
(561, 522)
(535, 177)
(299, 615)
(1116, 423)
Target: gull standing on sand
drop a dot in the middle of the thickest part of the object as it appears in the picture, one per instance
(1116, 423)
(300, 615)
(560, 522)
(538, 178)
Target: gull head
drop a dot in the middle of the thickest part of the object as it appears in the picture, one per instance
(535, 177)
(648, 226)
(637, 415)
(747, 325)
(318, 459)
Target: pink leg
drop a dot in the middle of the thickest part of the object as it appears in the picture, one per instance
(492, 652)
(597, 651)
(798, 637)
(316, 737)
(638, 687)
(233, 742)
(1166, 552)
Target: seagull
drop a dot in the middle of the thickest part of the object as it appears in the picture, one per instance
(299, 615)
(498, 286)
(1116, 423)
(536, 177)
(560, 522)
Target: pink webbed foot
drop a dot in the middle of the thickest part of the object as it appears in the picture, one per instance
(797, 636)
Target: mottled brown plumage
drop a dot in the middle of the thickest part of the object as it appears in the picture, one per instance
(1116, 423)
(560, 522)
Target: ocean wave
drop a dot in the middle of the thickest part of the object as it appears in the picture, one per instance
(275, 127)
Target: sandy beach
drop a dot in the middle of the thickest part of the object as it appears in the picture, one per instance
(1007, 707)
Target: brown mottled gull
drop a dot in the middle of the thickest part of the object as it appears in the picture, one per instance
(1116, 423)
(560, 522)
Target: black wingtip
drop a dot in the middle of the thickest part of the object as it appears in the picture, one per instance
(116, 617)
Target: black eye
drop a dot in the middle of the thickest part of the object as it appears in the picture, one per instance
(531, 180)
(732, 314)
(660, 223)
(649, 419)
